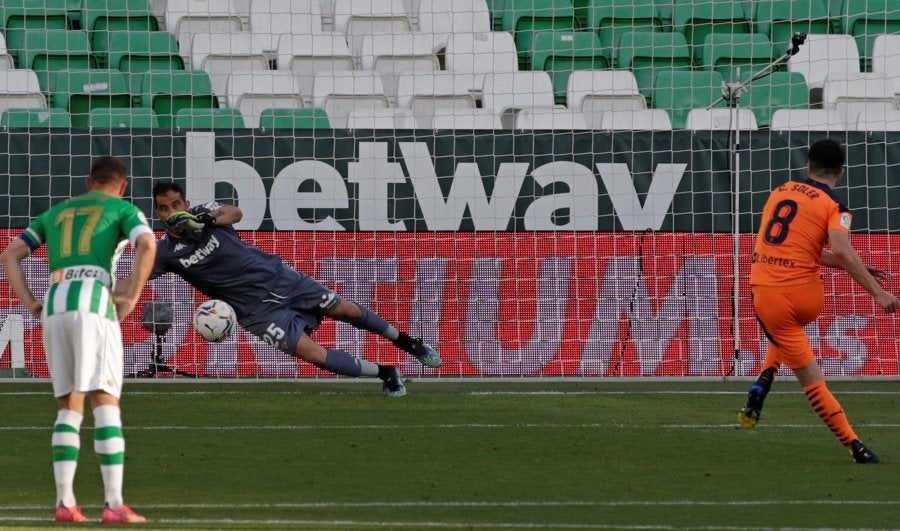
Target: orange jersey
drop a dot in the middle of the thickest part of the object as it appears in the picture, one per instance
(793, 231)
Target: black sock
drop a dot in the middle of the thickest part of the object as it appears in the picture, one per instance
(765, 378)
(385, 371)
(404, 342)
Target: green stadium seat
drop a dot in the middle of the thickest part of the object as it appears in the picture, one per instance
(867, 19)
(31, 117)
(780, 19)
(79, 91)
(305, 118)
(100, 17)
(115, 118)
(647, 52)
(523, 18)
(749, 52)
(496, 7)
(141, 51)
(169, 92)
(611, 20)
(778, 90)
(216, 118)
(698, 18)
(561, 52)
(45, 51)
(679, 91)
(17, 16)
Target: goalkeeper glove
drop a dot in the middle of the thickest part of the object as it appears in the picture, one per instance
(182, 220)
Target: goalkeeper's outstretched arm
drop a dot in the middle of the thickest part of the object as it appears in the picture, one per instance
(224, 215)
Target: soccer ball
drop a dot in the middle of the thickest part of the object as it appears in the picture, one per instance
(214, 320)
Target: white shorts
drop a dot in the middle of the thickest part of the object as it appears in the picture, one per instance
(84, 353)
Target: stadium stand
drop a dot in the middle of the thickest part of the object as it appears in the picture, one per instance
(168, 92)
(632, 120)
(122, 118)
(807, 120)
(546, 118)
(386, 118)
(79, 91)
(465, 119)
(252, 93)
(19, 88)
(425, 92)
(341, 92)
(29, 118)
(559, 53)
(721, 119)
(669, 92)
(305, 118)
(218, 118)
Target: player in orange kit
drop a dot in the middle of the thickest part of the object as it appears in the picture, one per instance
(798, 219)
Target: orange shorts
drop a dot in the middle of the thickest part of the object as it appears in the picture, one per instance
(783, 312)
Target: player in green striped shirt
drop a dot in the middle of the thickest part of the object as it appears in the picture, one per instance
(80, 313)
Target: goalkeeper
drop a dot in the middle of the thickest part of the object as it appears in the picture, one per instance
(272, 301)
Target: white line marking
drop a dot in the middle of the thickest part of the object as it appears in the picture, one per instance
(469, 393)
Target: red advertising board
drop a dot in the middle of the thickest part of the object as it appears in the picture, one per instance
(520, 304)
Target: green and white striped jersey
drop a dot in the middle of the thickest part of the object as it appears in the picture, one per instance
(85, 237)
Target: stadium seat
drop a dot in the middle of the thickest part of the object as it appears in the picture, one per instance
(855, 93)
(612, 19)
(221, 118)
(341, 92)
(305, 55)
(222, 55)
(121, 118)
(865, 20)
(545, 118)
(377, 118)
(807, 120)
(136, 52)
(19, 88)
(6, 60)
(28, 118)
(523, 18)
(391, 55)
(822, 55)
(18, 17)
(251, 93)
(723, 119)
(45, 51)
(777, 90)
(481, 54)
(631, 120)
(593, 92)
(878, 120)
(886, 58)
(305, 118)
(514, 90)
(780, 19)
(679, 91)
(184, 18)
(442, 18)
(464, 119)
(270, 19)
(356, 18)
(696, 19)
(726, 54)
(561, 52)
(168, 92)
(425, 92)
(79, 91)
(102, 17)
(647, 52)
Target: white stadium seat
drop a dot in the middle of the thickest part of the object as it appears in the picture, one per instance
(379, 118)
(877, 120)
(517, 89)
(20, 88)
(886, 59)
(465, 119)
(442, 18)
(6, 60)
(341, 92)
(222, 55)
(807, 120)
(854, 93)
(481, 54)
(307, 55)
(272, 18)
(632, 120)
(721, 119)
(253, 93)
(425, 92)
(356, 18)
(547, 118)
(822, 55)
(184, 18)
(391, 55)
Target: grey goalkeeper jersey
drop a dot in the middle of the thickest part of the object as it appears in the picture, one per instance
(222, 266)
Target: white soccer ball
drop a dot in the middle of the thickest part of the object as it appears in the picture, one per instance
(214, 320)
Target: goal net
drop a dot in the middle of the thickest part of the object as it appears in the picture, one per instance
(538, 188)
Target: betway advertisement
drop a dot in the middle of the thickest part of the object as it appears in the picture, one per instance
(580, 254)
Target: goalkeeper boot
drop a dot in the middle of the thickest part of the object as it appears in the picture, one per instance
(862, 454)
(393, 384)
(69, 514)
(419, 349)
(121, 515)
(748, 416)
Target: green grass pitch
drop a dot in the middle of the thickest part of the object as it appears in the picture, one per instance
(467, 455)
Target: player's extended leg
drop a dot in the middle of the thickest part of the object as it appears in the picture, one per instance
(749, 415)
(345, 364)
(66, 442)
(365, 319)
(830, 411)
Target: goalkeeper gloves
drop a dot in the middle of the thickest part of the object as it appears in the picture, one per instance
(185, 221)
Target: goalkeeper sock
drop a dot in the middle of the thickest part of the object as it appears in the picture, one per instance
(340, 362)
(372, 322)
(109, 445)
(829, 409)
(66, 443)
